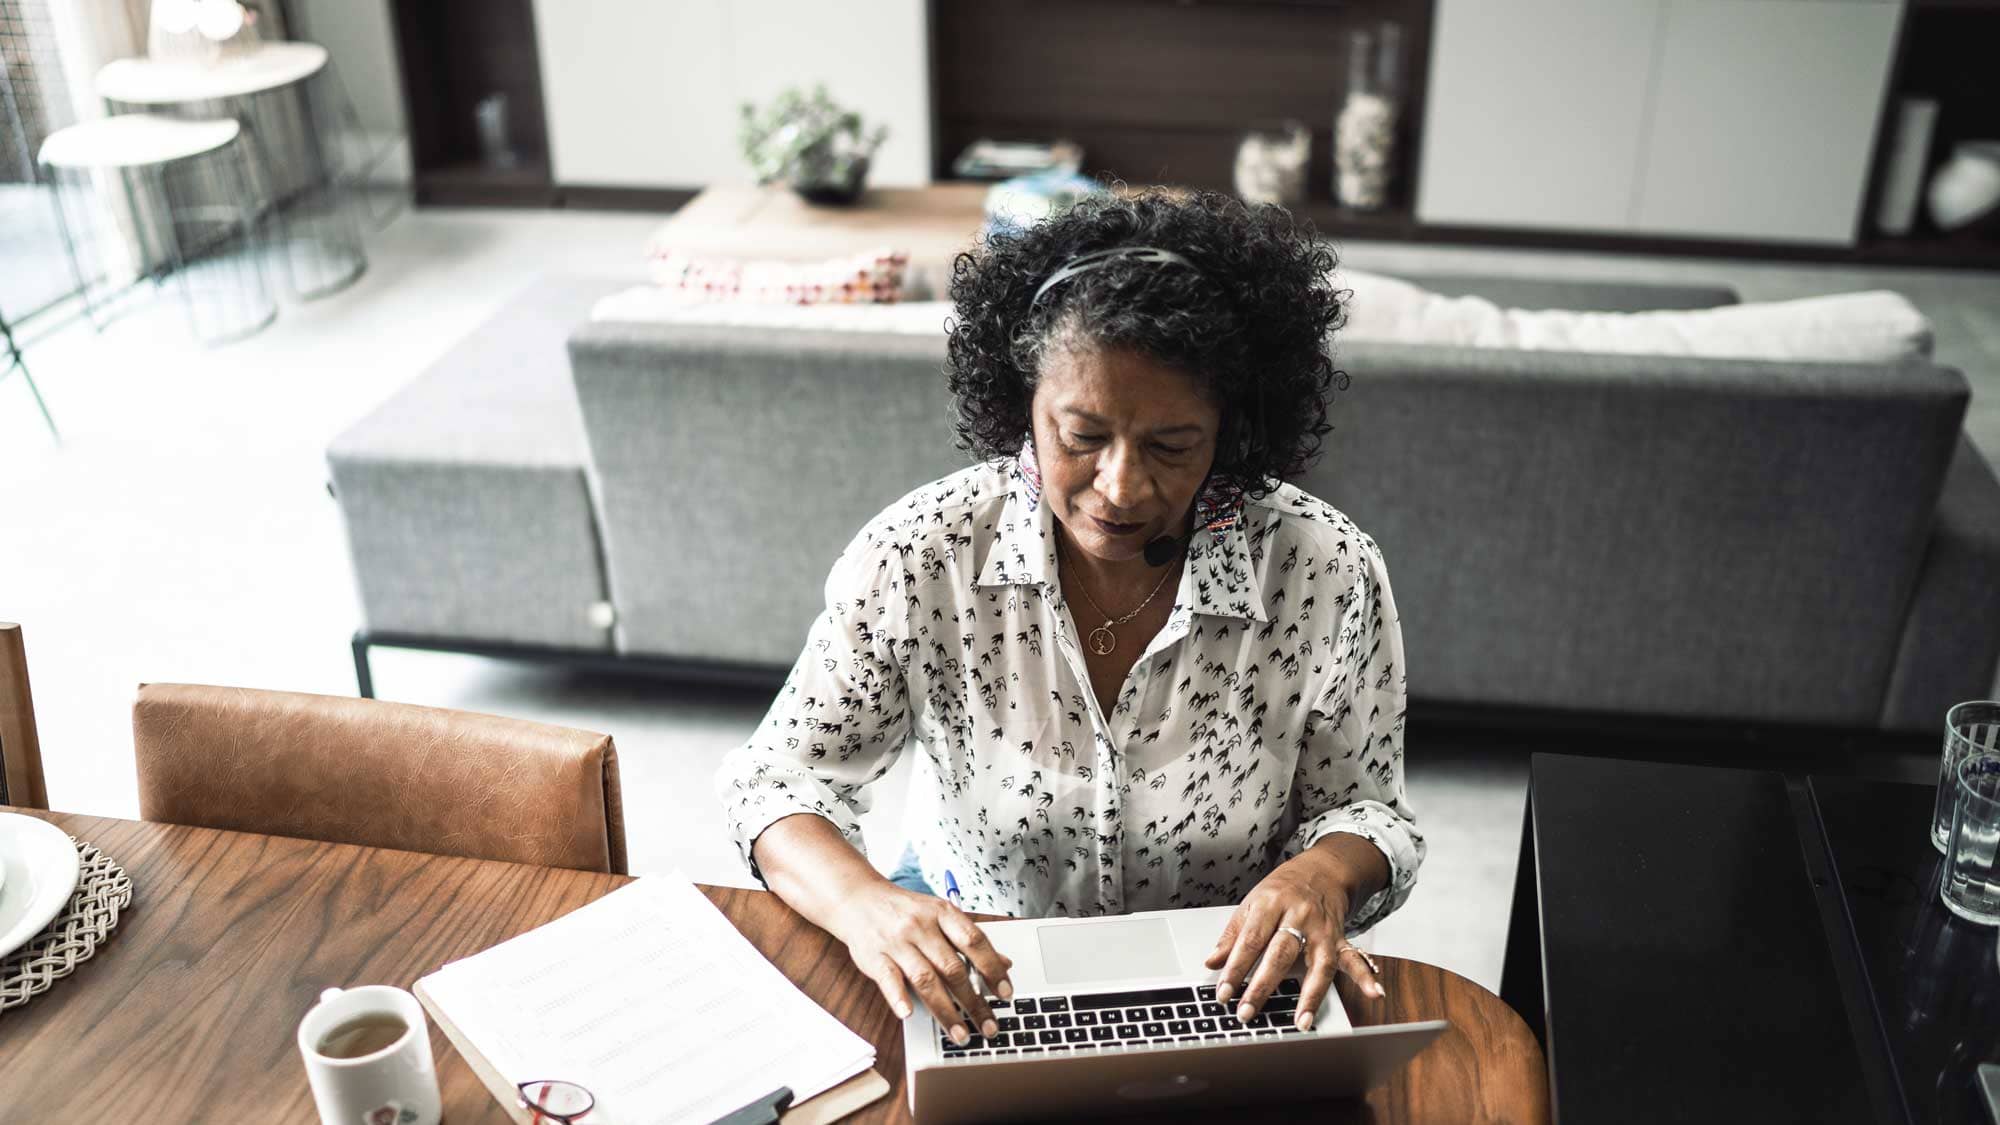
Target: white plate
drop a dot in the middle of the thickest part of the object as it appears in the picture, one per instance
(41, 872)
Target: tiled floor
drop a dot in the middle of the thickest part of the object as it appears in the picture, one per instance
(183, 532)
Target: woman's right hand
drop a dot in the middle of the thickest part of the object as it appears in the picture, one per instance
(908, 941)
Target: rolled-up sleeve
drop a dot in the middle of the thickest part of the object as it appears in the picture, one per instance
(1350, 772)
(841, 719)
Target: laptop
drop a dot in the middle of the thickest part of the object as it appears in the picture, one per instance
(1118, 1015)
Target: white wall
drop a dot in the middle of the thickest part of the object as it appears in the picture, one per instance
(644, 93)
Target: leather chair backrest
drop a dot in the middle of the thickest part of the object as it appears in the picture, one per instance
(21, 782)
(388, 775)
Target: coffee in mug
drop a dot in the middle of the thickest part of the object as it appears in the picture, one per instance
(367, 1053)
(365, 1034)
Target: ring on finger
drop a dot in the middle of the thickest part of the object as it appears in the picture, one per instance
(1297, 935)
(1366, 960)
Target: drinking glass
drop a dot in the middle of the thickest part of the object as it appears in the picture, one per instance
(1971, 883)
(1970, 726)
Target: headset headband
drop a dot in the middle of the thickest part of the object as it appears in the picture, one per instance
(1098, 259)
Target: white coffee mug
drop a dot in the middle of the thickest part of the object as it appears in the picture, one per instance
(396, 1085)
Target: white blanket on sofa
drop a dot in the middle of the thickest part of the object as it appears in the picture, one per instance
(1877, 326)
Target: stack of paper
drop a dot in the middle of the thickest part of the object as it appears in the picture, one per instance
(652, 1001)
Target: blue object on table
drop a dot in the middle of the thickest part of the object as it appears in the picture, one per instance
(1013, 206)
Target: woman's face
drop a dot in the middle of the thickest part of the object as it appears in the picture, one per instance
(1124, 444)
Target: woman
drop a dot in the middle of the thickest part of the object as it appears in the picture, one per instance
(1142, 672)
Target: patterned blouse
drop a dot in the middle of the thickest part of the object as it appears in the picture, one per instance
(1266, 714)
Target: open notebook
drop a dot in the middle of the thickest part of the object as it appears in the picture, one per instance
(650, 999)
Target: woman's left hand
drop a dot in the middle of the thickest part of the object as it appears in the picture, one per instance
(1309, 893)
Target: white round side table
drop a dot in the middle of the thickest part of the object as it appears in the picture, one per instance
(154, 82)
(277, 92)
(154, 165)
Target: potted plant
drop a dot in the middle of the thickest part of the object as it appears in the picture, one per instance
(811, 143)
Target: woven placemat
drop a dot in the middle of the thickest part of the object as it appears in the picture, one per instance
(102, 890)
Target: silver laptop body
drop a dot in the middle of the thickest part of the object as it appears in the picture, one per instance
(1140, 978)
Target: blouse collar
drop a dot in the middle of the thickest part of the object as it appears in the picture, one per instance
(1218, 581)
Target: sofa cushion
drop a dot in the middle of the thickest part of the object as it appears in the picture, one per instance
(652, 304)
(1877, 326)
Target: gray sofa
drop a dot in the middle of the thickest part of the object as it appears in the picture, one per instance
(1742, 541)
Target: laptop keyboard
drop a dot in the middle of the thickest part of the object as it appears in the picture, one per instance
(1061, 1023)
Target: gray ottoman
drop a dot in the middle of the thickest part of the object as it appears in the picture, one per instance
(467, 505)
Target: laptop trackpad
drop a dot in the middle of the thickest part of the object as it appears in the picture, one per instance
(1114, 949)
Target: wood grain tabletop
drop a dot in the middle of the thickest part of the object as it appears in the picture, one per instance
(189, 1012)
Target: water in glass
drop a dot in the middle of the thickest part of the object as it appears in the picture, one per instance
(1971, 884)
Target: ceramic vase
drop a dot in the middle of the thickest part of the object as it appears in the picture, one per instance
(1967, 187)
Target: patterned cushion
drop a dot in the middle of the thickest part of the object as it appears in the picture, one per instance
(873, 277)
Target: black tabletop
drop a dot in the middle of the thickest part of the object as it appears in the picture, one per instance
(1933, 976)
(1685, 960)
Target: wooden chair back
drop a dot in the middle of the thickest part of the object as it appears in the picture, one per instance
(21, 781)
(383, 775)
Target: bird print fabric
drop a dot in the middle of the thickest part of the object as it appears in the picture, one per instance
(1266, 714)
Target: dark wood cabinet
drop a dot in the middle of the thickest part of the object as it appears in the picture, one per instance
(452, 54)
(1164, 92)
(1949, 51)
(1160, 92)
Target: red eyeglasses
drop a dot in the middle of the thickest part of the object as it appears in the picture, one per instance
(554, 1100)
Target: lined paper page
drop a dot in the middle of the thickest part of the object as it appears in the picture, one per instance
(649, 998)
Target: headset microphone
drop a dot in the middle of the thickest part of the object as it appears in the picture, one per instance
(1162, 550)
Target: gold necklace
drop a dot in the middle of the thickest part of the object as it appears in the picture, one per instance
(1102, 640)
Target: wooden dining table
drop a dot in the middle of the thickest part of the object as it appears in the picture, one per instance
(188, 1011)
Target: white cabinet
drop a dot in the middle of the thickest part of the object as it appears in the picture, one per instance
(1535, 112)
(1739, 119)
(644, 93)
(1764, 117)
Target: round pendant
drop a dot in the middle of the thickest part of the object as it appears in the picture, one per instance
(1101, 641)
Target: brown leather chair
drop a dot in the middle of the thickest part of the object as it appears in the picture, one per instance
(21, 782)
(387, 775)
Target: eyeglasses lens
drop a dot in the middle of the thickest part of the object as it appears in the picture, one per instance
(556, 1101)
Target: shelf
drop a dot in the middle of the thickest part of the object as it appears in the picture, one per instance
(1332, 220)
(1949, 253)
(472, 184)
(1399, 224)
(1964, 251)
(453, 56)
(525, 174)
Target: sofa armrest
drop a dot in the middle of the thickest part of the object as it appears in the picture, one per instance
(732, 467)
(1951, 640)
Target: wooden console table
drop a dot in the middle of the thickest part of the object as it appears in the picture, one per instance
(187, 1013)
(743, 221)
